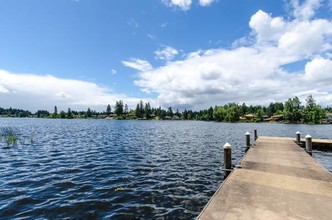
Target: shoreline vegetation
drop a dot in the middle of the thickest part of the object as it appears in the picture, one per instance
(289, 112)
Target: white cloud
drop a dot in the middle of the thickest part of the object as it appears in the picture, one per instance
(33, 92)
(138, 64)
(133, 23)
(217, 75)
(165, 24)
(306, 37)
(265, 27)
(151, 36)
(182, 4)
(319, 70)
(186, 4)
(196, 54)
(206, 2)
(167, 53)
(253, 72)
(305, 10)
(113, 71)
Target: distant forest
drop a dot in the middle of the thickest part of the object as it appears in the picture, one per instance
(292, 111)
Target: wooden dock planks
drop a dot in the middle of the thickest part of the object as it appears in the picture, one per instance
(277, 180)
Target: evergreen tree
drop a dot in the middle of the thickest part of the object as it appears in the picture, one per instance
(55, 114)
(62, 114)
(118, 109)
(126, 111)
(169, 112)
(108, 109)
(210, 114)
(147, 111)
(243, 109)
(88, 113)
(184, 115)
(141, 108)
(138, 112)
(69, 113)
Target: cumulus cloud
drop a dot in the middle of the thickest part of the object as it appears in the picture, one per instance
(138, 64)
(45, 91)
(252, 72)
(319, 71)
(167, 53)
(265, 27)
(218, 75)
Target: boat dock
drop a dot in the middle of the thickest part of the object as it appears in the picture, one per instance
(276, 179)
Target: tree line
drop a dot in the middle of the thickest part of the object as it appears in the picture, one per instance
(291, 111)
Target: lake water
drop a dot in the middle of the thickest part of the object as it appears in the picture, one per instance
(87, 169)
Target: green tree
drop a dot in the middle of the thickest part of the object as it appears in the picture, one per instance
(292, 111)
(259, 114)
(88, 113)
(209, 114)
(118, 109)
(184, 115)
(42, 114)
(147, 111)
(169, 112)
(141, 108)
(243, 109)
(138, 112)
(219, 113)
(312, 113)
(69, 114)
(177, 113)
(55, 114)
(108, 109)
(62, 114)
(126, 111)
(232, 113)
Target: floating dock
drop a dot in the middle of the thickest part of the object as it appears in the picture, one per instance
(276, 179)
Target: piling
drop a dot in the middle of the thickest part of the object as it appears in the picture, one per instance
(255, 134)
(308, 144)
(227, 159)
(247, 141)
(277, 180)
(298, 137)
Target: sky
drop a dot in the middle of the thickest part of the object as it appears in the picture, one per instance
(190, 54)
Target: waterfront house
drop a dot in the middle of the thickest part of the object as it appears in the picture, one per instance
(277, 118)
(329, 117)
(175, 117)
(250, 117)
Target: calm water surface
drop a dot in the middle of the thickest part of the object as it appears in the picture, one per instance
(90, 169)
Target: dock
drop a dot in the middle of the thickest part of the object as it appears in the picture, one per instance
(276, 179)
(320, 144)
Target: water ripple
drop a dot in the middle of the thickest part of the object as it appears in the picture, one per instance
(88, 169)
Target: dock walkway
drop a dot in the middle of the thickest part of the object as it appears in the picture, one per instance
(276, 180)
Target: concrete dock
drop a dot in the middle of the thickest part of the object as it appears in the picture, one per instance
(276, 180)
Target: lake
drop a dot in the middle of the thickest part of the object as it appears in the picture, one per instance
(87, 169)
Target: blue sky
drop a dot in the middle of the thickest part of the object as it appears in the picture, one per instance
(179, 53)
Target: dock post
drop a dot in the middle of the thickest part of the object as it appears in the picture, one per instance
(308, 144)
(298, 137)
(227, 159)
(255, 134)
(247, 141)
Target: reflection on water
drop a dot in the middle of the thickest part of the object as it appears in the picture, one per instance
(122, 169)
